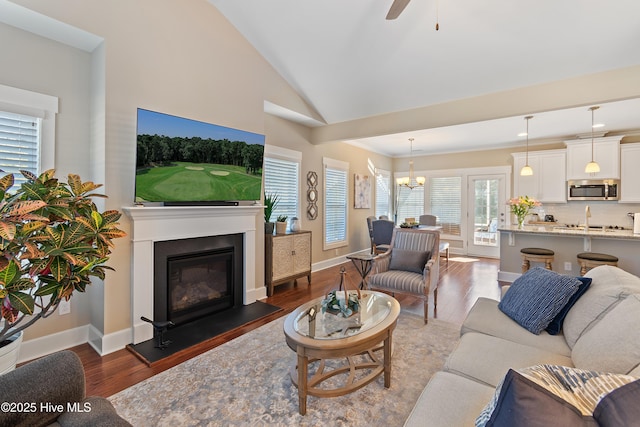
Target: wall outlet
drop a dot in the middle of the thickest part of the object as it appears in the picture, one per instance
(64, 307)
(567, 266)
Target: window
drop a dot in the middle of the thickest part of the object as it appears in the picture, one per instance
(282, 177)
(27, 131)
(383, 193)
(445, 202)
(19, 143)
(335, 203)
(410, 203)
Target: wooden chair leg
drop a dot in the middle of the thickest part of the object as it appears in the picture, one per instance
(426, 310)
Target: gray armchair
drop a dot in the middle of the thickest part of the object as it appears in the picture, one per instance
(411, 266)
(56, 380)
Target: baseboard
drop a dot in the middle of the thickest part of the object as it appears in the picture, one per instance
(105, 344)
(332, 262)
(38, 347)
(507, 276)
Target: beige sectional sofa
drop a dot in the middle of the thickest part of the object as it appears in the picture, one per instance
(600, 332)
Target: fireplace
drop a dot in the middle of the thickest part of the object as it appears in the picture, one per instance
(153, 224)
(197, 277)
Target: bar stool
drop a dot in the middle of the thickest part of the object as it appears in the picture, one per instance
(588, 260)
(536, 255)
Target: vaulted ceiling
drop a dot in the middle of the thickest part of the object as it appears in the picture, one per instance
(348, 62)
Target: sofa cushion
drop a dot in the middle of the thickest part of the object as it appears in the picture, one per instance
(487, 359)
(536, 297)
(449, 400)
(484, 317)
(612, 344)
(620, 407)
(555, 326)
(407, 260)
(569, 396)
(609, 286)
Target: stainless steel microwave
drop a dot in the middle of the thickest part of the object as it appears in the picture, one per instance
(602, 189)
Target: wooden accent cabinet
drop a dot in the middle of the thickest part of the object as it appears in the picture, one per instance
(287, 257)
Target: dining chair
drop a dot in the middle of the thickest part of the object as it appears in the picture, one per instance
(410, 266)
(427, 219)
(370, 220)
(382, 234)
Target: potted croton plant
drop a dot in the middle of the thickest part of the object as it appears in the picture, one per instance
(53, 240)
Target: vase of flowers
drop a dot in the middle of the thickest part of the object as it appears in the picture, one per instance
(521, 206)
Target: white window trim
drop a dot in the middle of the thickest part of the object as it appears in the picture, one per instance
(335, 164)
(44, 107)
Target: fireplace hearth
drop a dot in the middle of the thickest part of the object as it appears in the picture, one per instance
(197, 277)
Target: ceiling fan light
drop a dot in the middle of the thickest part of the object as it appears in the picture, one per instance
(526, 171)
(592, 167)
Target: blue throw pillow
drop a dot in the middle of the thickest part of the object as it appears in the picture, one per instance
(555, 326)
(536, 297)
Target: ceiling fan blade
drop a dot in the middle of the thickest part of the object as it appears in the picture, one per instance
(396, 8)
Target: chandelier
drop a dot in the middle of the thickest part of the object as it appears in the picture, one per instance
(409, 181)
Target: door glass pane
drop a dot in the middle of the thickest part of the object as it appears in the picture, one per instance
(486, 211)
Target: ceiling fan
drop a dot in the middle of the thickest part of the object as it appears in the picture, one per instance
(396, 8)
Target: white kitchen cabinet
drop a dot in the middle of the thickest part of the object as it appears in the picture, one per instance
(606, 152)
(630, 173)
(548, 182)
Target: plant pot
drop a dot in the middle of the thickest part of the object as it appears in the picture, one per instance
(268, 227)
(9, 353)
(281, 227)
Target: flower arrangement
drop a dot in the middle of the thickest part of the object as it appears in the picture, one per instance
(521, 206)
(335, 303)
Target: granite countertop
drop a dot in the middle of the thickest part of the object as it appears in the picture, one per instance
(558, 230)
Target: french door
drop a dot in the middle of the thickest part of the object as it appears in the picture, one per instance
(485, 214)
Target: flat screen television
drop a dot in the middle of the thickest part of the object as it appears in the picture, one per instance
(180, 161)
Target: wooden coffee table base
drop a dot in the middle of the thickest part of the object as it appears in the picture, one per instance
(305, 330)
(310, 383)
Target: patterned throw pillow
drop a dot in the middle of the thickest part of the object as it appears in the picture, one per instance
(536, 297)
(569, 396)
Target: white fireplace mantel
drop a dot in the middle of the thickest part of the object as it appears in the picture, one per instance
(154, 224)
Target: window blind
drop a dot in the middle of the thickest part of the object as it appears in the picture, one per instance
(383, 193)
(446, 202)
(410, 202)
(281, 177)
(335, 205)
(19, 143)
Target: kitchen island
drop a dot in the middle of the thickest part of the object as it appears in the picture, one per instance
(566, 242)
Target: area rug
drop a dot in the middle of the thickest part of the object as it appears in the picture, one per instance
(246, 382)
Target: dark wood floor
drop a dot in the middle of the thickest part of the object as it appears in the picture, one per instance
(462, 281)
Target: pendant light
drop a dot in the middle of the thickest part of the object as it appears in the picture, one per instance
(409, 181)
(592, 167)
(526, 169)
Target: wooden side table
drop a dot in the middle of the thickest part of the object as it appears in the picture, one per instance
(363, 264)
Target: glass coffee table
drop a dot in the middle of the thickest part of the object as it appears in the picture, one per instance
(319, 338)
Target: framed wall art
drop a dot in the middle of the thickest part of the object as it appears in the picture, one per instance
(362, 197)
